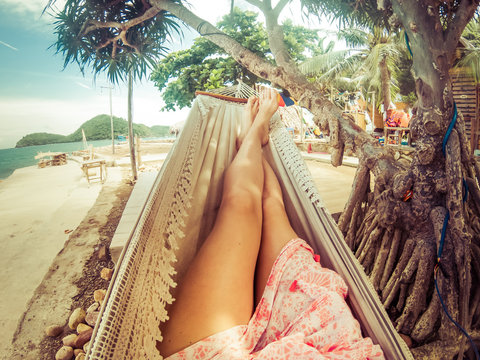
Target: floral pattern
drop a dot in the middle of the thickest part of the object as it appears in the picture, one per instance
(302, 315)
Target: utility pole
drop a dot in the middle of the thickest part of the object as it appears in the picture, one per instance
(111, 116)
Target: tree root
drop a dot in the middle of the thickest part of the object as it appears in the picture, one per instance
(425, 326)
(392, 258)
(438, 350)
(393, 283)
(352, 228)
(369, 242)
(416, 302)
(360, 184)
(381, 259)
(363, 237)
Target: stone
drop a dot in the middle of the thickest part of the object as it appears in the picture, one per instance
(86, 346)
(106, 273)
(91, 318)
(64, 353)
(407, 339)
(69, 340)
(53, 330)
(102, 253)
(78, 351)
(82, 327)
(77, 316)
(83, 338)
(99, 295)
(93, 307)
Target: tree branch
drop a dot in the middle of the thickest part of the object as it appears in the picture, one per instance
(306, 93)
(279, 7)
(465, 12)
(92, 25)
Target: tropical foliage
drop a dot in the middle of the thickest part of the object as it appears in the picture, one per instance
(125, 45)
(207, 66)
(470, 54)
(360, 66)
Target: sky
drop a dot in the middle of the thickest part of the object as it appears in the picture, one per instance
(38, 95)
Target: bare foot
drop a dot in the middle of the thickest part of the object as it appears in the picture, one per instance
(268, 106)
(249, 113)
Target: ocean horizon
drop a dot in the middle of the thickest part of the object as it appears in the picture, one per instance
(15, 158)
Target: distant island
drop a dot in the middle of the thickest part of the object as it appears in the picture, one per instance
(97, 128)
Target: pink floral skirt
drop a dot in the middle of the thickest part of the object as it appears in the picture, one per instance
(302, 315)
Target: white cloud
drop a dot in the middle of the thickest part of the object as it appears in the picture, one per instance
(24, 7)
(29, 13)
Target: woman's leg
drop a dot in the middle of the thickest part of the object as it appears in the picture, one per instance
(217, 290)
(276, 229)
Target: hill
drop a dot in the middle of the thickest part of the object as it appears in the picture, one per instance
(97, 128)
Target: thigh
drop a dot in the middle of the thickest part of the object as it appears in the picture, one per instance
(217, 290)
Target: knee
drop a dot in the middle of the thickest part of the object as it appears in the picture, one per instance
(242, 200)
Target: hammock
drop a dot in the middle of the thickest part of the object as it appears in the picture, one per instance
(180, 212)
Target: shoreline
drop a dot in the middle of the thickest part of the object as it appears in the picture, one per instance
(19, 158)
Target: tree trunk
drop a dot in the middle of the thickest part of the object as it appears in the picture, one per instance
(131, 142)
(386, 79)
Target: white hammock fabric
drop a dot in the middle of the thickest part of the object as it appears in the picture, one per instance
(180, 212)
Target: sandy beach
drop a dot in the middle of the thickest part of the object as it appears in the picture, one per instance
(39, 208)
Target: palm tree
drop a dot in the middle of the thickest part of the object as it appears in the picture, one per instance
(369, 63)
(123, 40)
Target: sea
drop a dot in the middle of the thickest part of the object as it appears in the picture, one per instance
(15, 158)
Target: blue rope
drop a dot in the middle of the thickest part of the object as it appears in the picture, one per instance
(450, 127)
(452, 320)
(407, 41)
(442, 238)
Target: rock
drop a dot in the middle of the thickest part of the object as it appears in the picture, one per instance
(78, 351)
(65, 353)
(91, 318)
(77, 316)
(93, 307)
(69, 340)
(53, 330)
(86, 346)
(106, 273)
(102, 253)
(407, 339)
(83, 338)
(80, 356)
(82, 327)
(99, 295)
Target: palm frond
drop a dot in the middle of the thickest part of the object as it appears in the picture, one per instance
(353, 37)
(323, 62)
(471, 63)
